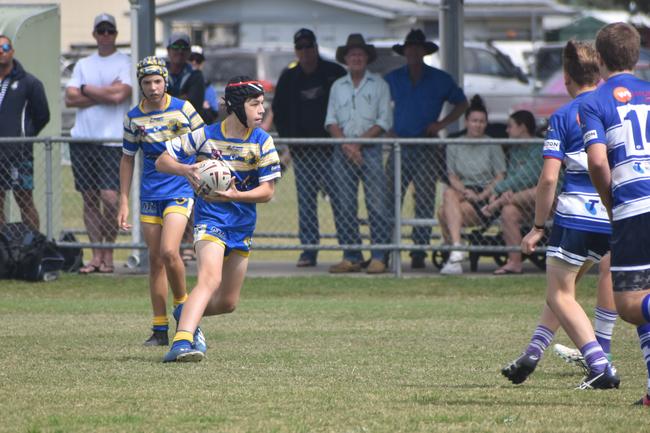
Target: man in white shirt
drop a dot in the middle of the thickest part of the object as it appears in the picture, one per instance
(100, 88)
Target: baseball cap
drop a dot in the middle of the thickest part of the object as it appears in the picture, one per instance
(178, 37)
(304, 34)
(104, 18)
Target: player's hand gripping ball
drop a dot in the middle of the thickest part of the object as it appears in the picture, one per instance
(215, 176)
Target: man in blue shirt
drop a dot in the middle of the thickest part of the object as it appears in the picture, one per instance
(419, 92)
(615, 125)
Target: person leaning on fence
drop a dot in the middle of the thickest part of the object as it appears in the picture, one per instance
(474, 170)
(299, 109)
(359, 106)
(514, 196)
(165, 201)
(419, 92)
(23, 112)
(186, 83)
(100, 89)
(580, 237)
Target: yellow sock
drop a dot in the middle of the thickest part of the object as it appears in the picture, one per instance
(184, 335)
(181, 300)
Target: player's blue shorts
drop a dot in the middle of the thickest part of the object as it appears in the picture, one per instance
(576, 246)
(153, 211)
(238, 242)
(631, 253)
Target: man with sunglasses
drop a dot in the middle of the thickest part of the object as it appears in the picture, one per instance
(100, 89)
(23, 112)
(299, 108)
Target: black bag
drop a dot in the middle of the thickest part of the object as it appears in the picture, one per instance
(29, 255)
(72, 256)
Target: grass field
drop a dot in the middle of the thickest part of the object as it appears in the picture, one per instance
(316, 354)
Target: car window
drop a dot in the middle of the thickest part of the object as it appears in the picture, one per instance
(482, 62)
(219, 69)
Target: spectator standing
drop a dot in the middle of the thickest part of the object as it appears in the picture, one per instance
(100, 88)
(419, 92)
(299, 107)
(359, 107)
(188, 84)
(23, 112)
(209, 110)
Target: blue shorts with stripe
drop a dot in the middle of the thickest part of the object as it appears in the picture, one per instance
(576, 246)
(235, 241)
(631, 253)
(153, 211)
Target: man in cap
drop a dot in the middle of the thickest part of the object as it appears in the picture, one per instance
(419, 92)
(299, 108)
(100, 88)
(186, 83)
(359, 107)
(23, 112)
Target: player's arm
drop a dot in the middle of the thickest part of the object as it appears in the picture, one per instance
(126, 176)
(600, 174)
(166, 163)
(261, 194)
(544, 196)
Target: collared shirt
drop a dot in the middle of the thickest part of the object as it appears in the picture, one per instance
(417, 105)
(357, 109)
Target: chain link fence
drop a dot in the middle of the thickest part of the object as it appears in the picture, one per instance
(397, 195)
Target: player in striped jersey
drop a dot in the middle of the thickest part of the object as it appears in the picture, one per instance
(580, 234)
(165, 200)
(223, 221)
(616, 132)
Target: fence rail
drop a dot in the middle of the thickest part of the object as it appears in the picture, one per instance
(314, 161)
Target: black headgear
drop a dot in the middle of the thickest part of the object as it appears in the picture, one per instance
(238, 90)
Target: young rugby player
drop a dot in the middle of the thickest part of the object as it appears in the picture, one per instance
(615, 122)
(165, 201)
(224, 221)
(580, 234)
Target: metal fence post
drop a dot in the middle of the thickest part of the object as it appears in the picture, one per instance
(49, 230)
(397, 209)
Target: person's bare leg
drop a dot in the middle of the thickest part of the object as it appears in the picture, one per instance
(511, 227)
(172, 232)
(452, 215)
(92, 220)
(109, 229)
(28, 212)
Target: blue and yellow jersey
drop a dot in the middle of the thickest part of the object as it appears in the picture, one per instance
(252, 161)
(149, 132)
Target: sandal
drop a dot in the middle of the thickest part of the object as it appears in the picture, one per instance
(505, 271)
(89, 269)
(105, 269)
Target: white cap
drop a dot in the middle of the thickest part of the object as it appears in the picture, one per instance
(104, 18)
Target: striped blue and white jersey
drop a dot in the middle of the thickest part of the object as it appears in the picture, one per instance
(578, 205)
(149, 131)
(617, 114)
(252, 160)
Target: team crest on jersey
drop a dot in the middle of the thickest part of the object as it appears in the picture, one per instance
(14, 85)
(140, 130)
(622, 94)
(174, 125)
(216, 154)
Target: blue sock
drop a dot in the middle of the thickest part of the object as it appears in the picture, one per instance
(177, 312)
(540, 340)
(160, 328)
(644, 338)
(645, 308)
(604, 327)
(594, 356)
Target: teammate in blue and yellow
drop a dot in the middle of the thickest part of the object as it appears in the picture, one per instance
(223, 221)
(165, 201)
(580, 236)
(615, 122)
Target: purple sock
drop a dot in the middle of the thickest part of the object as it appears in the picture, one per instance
(594, 356)
(540, 340)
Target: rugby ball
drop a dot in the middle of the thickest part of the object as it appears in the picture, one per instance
(215, 176)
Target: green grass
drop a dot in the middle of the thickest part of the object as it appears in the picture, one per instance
(316, 354)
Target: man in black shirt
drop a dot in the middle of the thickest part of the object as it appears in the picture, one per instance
(299, 109)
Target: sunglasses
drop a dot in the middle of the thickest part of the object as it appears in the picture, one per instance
(6, 47)
(180, 47)
(105, 31)
(304, 46)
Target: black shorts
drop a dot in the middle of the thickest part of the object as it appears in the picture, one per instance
(16, 174)
(478, 205)
(631, 253)
(576, 246)
(95, 166)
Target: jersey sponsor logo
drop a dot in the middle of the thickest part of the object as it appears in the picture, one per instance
(591, 206)
(148, 207)
(622, 94)
(639, 168)
(590, 135)
(553, 145)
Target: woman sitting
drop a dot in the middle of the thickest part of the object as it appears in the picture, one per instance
(514, 196)
(474, 170)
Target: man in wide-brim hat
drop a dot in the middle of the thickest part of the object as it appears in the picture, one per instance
(419, 92)
(359, 107)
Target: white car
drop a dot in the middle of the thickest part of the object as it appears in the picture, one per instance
(487, 72)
